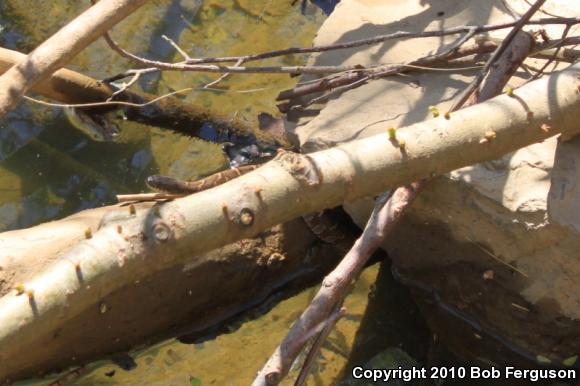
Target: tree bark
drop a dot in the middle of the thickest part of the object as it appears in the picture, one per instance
(133, 244)
(206, 291)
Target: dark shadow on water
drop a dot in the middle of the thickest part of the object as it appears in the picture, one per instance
(391, 320)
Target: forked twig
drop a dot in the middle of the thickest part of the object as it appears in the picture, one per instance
(384, 216)
(204, 64)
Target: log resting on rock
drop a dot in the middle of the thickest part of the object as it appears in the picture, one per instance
(132, 244)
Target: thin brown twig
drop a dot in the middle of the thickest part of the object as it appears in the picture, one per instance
(125, 86)
(496, 258)
(141, 197)
(397, 69)
(177, 47)
(542, 10)
(429, 59)
(223, 76)
(347, 79)
(464, 96)
(202, 65)
(131, 104)
(556, 52)
(183, 66)
(382, 39)
(317, 345)
(542, 50)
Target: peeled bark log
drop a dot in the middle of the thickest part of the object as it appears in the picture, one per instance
(131, 245)
(205, 292)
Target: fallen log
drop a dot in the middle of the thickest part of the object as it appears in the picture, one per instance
(132, 244)
(205, 293)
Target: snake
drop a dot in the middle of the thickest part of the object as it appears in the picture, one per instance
(168, 184)
(95, 126)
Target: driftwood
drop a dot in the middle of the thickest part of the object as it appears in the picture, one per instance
(133, 244)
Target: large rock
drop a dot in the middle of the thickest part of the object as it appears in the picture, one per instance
(494, 244)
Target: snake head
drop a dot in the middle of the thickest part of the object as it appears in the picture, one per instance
(96, 126)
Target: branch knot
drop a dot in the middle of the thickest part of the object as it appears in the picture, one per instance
(301, 167)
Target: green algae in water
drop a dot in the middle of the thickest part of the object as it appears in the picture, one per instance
(193, 381)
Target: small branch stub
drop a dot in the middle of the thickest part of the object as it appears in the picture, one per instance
(301, 167)
(489, 136)
(402, 145)
(398, 142)
(272, 378)
(246, 217)
(162, 232)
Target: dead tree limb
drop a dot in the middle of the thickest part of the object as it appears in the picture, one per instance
(334, 286)
(187, 306)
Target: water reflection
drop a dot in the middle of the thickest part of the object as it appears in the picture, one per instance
(49, 170)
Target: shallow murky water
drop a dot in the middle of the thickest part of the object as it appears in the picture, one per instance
(233, 359)
(49, 170)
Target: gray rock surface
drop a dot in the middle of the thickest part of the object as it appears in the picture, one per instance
(516, 217)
